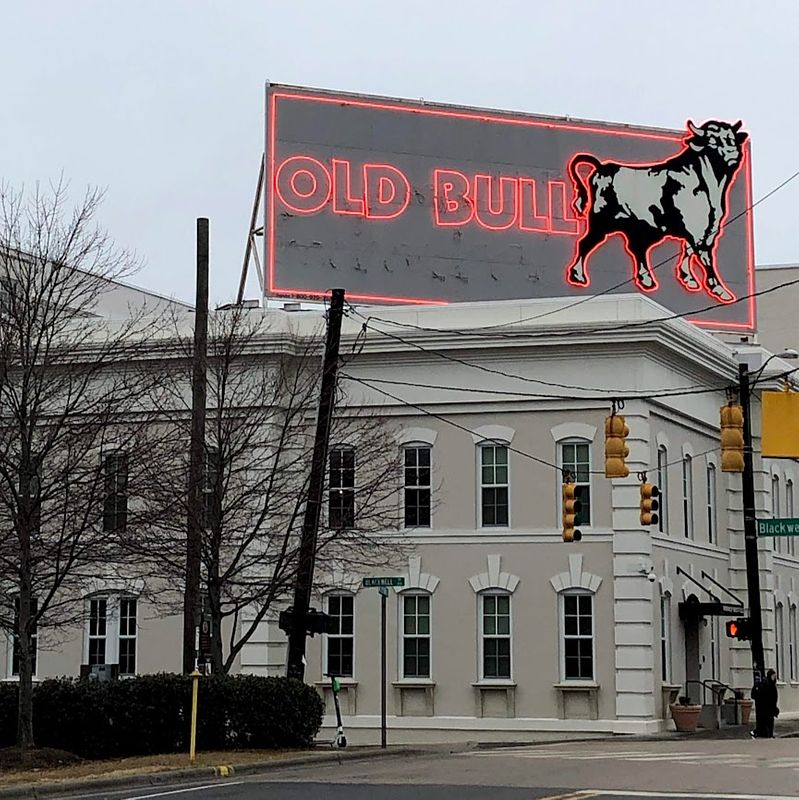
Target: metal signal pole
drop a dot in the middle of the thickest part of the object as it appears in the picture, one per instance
(313, 506)
(750, 536)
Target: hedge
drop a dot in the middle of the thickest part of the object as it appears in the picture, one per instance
(150, 714)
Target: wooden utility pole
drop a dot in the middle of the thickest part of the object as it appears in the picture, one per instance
(191, 594)
(313, 505)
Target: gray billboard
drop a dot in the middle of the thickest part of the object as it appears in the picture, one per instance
(412, 202)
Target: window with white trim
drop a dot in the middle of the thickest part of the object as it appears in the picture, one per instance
(789, 514)
(688, 496)
(712, 516)
(494, 486)
(776, 541)
(792, 665)
(33, 639)
(417, 486)
(415, 635)
(341, 490)
(575, 458)
(495, 634)
(115, 491)
(665, 637)
(112, 631)
(341, 643)
(779, 641)
(577, 631)
(663, 486)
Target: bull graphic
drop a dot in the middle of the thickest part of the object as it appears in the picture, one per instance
(682, 198)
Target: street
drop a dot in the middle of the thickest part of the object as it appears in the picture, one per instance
(702, 770)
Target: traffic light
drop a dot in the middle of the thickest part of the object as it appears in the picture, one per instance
(732, 438)
(571, 508)
(740, 629)
(315, 622)
(649, 504)
(616, 450)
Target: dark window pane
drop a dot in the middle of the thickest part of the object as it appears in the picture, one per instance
(570, 603)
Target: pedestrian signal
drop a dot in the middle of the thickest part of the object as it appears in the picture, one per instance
(649, 504)
(740, 629)
(732, 438)
(571, 509)
(616, 450)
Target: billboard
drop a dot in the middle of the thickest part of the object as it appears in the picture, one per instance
(400, 201)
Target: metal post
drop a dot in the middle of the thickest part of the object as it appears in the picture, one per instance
(383, 598)
(750, 537)
(313, 505)
(191, 593)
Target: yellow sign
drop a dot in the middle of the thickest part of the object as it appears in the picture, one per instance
(780, 425)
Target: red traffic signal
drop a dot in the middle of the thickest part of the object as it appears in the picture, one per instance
(740, 629)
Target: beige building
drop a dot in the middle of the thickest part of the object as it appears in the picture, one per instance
(500, 626)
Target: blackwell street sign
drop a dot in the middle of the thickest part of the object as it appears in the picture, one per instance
(778, 527)
(371, 583)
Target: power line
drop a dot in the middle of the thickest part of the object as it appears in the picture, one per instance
(610, 289)
(465, 429)
(609, 393)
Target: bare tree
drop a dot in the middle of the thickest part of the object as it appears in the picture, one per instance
(69, 388)
(263, 389)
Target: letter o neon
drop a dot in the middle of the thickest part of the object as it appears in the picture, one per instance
(289, 177)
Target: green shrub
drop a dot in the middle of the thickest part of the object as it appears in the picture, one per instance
(151, 714)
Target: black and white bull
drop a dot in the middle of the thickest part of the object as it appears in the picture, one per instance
(682, 198)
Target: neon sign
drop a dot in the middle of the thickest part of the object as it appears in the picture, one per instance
(418, 203)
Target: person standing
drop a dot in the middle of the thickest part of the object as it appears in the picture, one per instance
(766, 695)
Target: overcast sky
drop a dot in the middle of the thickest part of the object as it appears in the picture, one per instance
(161, 101)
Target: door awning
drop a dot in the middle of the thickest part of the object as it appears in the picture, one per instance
(693, 608)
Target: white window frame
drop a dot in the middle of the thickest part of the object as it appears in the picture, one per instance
(792, 631)
(480, 485)
(113, 601)
(562, 636)
(776, 541)
(351, 636)
(789, 509)
(688, 496)
(481, 635)
(576, 440)
(354, 488)
(779, 640)
(128, 636)
(429, 635)
(712, 503)
(417, 446)
(665, 637)
(663, 486)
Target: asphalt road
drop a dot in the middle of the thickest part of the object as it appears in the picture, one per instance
(630, 770)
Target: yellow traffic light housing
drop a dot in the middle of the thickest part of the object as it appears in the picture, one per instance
(732, 438)
(649, 504)
(571, 508)
(616, 450)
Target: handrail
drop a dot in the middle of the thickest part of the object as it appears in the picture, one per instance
(717, 688)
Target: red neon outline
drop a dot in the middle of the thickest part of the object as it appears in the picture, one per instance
(531, 184)
(490, 182)
(298, 209)
(572, 226)
(400, 107)
(714, 248)
(466, 199)
(353, 205)
(380, 199)
(314, 183)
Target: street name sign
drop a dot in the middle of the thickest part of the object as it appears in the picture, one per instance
(778, 527)
(371, 583)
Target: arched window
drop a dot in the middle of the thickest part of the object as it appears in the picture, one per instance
(775, 509)
(416, 632)
(494, 485)
(663, 485)
(575, 458)
(495, 635)
(779, 640)
(712, 534)
(789, 513)
(665, 637)
(688, 497)
(340, 644)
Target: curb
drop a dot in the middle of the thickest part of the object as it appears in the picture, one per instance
(67, 787)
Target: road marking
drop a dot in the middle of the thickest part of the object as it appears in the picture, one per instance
(216, 785)
(583, 793)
